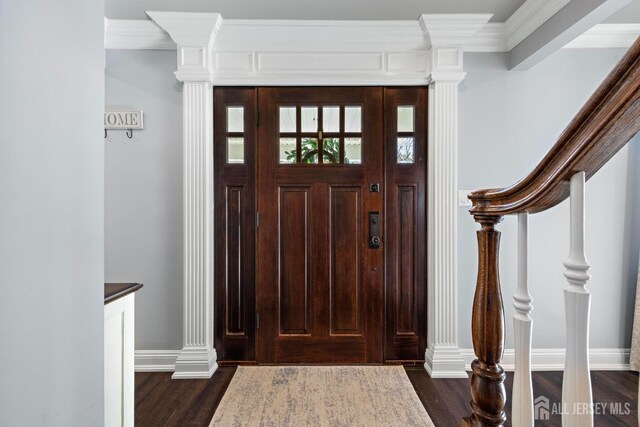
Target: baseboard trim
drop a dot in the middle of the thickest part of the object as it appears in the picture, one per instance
(601, 359)
(156, 360)
(552, 359)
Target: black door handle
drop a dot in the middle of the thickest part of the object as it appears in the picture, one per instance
(374, 230)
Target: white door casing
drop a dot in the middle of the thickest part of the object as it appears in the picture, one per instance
(211, 51)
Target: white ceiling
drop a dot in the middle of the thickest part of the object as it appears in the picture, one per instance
(314, 9)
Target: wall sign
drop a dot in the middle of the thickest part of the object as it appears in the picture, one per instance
(123, 120)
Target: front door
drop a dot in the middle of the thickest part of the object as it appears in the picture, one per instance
(320, 271)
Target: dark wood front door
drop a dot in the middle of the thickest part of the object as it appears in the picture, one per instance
(319, 284)
(305, 177)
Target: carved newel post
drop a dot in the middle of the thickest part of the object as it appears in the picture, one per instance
(487, 378)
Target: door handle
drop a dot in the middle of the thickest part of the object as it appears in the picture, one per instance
(374, 230)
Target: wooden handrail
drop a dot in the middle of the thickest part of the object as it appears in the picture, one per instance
(609, 119)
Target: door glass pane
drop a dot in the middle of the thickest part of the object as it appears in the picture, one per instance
(309, 119)
(235, 119)
(353, 119)
(353, 151)
(309, 150)
(331, 150)
(287, 150)
(287, 119)
(235, 150)
(405, 150)
(405, 119)
(331, 119)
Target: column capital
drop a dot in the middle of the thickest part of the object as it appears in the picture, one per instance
(194, 34)
(446, 35)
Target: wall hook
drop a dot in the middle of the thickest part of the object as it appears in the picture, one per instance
(130, 133)
(105, 133)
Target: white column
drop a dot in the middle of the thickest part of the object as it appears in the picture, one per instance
(522, 407)
(576, 382)
(446, 34)
(194, 34)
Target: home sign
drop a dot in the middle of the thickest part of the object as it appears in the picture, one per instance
(123, 120)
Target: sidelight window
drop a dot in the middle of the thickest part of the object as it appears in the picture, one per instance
(320, 134)
(406, 134)
(235, 134)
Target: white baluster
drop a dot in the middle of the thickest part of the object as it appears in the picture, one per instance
(576, 385)
(522, 409)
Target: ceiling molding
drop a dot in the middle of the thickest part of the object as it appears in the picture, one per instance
(452, 29)
(528, 18)
(188, 28)
(606, 36)
(366, 35)
(136, 34)
(194, 34)
(490, 38)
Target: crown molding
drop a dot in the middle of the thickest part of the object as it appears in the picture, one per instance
(136, 34)
(452, 29)
(194, 34)
(347, 36)
(490, 38)
(188, 28)
(606, 36)
(528, 18)
(402, 35)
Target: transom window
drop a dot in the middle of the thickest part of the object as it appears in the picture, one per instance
(314, 134)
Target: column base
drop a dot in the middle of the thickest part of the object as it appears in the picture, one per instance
(195, 363)
(445, 362)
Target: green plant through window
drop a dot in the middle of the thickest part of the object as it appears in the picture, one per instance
(309, 151)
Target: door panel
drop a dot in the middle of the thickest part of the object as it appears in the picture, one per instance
(234, 302)
(234, 223)
(346, 281)
(319, 285)
(406, 237)
(295, 292)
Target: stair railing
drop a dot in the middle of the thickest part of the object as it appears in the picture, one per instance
(609, 119)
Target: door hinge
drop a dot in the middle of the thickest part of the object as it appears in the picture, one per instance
(257, 219)
(257, 320)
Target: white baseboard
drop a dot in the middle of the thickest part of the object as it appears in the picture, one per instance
(552, 359)
(601, 359)
(156, 360)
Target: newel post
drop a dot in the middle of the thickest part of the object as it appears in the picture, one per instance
(487, 378)
(194, 34)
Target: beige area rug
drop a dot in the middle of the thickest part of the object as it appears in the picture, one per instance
(320, 396)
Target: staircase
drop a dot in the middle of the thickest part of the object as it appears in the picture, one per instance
(609, 119)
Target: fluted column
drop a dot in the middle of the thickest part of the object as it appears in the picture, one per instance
(198, 357)
(488, 395)
(446, 35)
(443, 358)
(194, 34)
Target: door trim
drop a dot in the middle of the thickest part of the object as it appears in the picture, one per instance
(443, 75)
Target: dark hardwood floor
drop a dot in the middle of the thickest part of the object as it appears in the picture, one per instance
(161, 401)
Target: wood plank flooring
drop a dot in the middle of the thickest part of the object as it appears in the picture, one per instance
(161, 401)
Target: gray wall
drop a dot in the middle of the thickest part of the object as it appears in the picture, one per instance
(143, 193)
(51, 213)
(508, 120)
